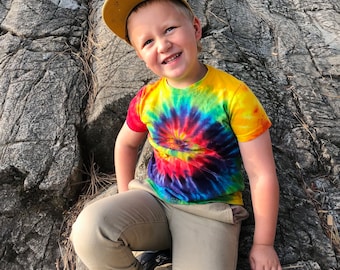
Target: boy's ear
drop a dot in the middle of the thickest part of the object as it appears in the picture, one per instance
(198, 28)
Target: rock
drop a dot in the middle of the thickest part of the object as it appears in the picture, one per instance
(66, 82)
(43, 87)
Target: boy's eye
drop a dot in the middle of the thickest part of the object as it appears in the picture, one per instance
(169, 29)
(147, 42)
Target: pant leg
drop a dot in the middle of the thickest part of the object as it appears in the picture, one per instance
(202, 243)
(106, 232)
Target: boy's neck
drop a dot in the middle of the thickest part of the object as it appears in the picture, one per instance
(201, 72)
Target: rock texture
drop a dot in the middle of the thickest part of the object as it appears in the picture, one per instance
(66, 81)
(43, 88)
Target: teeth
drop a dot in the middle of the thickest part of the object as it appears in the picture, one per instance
(171, 59)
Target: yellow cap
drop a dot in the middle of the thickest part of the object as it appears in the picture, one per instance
(116, 13)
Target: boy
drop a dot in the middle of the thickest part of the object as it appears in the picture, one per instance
(200, 122)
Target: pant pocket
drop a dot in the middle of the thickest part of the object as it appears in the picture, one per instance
(217, 211)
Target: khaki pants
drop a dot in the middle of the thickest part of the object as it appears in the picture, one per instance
(201, 236)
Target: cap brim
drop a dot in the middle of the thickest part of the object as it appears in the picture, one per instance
(116, 12)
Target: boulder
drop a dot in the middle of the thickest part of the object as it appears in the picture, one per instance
(66, 82)
(43, 95)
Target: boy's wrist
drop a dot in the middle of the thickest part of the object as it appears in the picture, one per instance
(263, 241)
(263, 244)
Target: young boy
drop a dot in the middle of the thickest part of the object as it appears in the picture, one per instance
(201, 122)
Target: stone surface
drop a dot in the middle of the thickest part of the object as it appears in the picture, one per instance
(42, 91)
(65, 84)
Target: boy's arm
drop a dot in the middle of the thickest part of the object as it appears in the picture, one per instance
(126, 154)
(259, 163)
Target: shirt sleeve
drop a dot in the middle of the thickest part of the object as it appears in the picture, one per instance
(248, 117)
(133, 119)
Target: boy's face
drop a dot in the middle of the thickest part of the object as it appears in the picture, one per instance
(165, 38)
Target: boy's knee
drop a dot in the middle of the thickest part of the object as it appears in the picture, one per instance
(84, 229)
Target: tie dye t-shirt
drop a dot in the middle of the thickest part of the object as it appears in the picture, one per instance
(195, 133)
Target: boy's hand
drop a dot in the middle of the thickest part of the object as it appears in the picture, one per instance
(264, 257)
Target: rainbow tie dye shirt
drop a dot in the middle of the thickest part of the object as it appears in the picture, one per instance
(195, 133)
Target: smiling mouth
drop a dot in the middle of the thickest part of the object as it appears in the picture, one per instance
(172, 58)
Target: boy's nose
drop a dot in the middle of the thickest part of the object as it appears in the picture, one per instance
(163, 45)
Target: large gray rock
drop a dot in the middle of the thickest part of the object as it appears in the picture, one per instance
(64, 92)
(42, 91)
